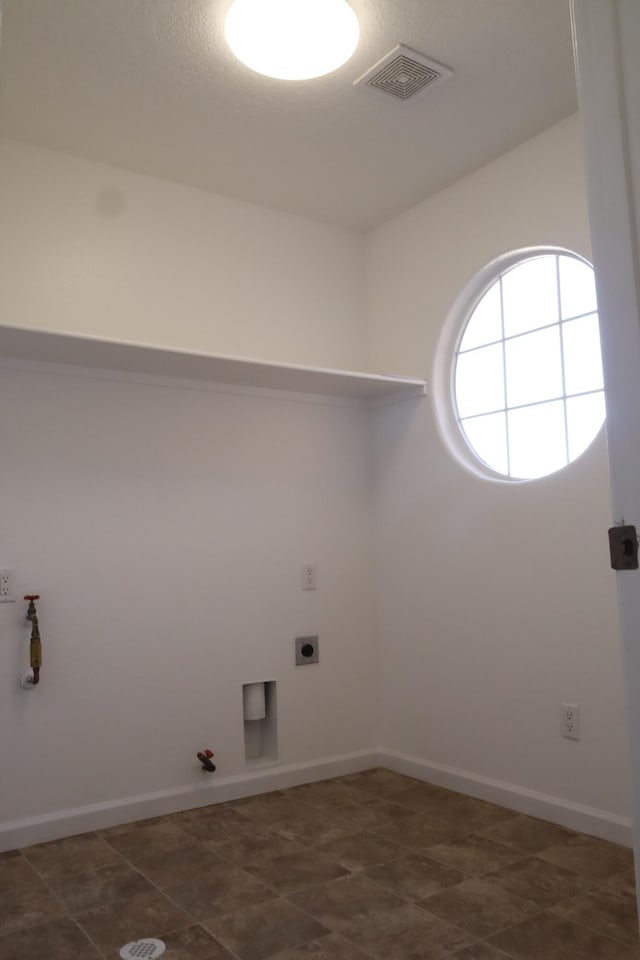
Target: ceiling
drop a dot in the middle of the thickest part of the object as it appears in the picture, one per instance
(149, 85)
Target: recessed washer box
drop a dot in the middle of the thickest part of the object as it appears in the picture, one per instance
(307, 650)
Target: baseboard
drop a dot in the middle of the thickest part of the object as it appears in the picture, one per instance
(65, 823)
(214, 789)
(574, 816)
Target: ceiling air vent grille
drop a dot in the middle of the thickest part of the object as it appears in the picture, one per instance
(403, 73)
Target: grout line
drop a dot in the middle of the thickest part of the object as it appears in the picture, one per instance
(201, 923)
(485, 943)
(332, 933)
(105, 953)
(63, 904)
(269, 831)
(586, 926)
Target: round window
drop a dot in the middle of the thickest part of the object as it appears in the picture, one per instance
(525, 389)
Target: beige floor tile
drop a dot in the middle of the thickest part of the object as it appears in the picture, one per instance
(60, 940)
(222, 889)
(609, 908)
(217, 824)
(341, 902)
(71, 855)
(311, 833)
(22, 912)
(194, 943)
(221, 812)
(417, 832)
(246, 850)
(378, 782)
(265, 930)
(292, 871)
(342, 821)
(25, 900)
(92, 888)
(145, 838)
(468, 813)
(465, 814)
(408, 933)
(590, 856)
(543, 884)
(385, 813)
(146, 915)
(473, 855)
(18, 876)
(9, 855)
(270, 873)
(360, 850)
(331, 947)
(414, 877)
(274, 807)
(479, 951)
(623, 881)
(548, 937)
(527, 834)
(479, 906)
(174, 867)
(336, 793)
(422, 797)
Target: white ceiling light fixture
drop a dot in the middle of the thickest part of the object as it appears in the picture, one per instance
(292, 39)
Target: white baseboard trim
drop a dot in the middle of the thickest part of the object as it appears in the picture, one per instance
(214, 789)
(276, 776)
(574, 816)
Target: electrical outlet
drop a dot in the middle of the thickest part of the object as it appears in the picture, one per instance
(309, 575)
(6, 586)
(307, 650)
(570, 719)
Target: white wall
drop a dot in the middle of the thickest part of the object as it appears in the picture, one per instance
(92, 249)
(164, 528)
(496, 602)
(163, 525)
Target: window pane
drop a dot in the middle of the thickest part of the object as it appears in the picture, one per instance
(537, 440)
(577, 288)
(584, 418)
(530, 296)
(582, 359)
(485, 325)
(528, 377)
(488, 437)
(534, 367)
(480, 381)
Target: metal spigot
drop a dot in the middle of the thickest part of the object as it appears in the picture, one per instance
(35, 647)
(205, 758)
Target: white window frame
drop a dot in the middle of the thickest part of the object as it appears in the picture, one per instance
(446, 356)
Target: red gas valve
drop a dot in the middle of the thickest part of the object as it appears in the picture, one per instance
(205, 759)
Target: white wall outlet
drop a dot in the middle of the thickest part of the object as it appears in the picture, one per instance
(309, 575)
(6, 586)
(570, 720)
(307, 650)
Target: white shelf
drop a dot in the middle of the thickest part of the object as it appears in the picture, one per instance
(44, 346)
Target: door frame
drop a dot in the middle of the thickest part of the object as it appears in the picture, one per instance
(605, 35)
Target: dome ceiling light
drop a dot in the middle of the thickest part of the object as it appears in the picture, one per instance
(292, 39)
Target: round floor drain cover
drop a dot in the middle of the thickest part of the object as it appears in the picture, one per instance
(147, 949)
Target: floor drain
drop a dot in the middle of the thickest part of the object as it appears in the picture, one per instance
(143, 950)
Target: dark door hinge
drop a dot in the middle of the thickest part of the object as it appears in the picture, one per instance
(623, 546)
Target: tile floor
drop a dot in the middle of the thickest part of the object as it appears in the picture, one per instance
(371, 865)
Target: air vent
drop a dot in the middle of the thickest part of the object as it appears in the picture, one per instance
(403, 73)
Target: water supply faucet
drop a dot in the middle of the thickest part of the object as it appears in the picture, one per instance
(206, 759)
(35, 648)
